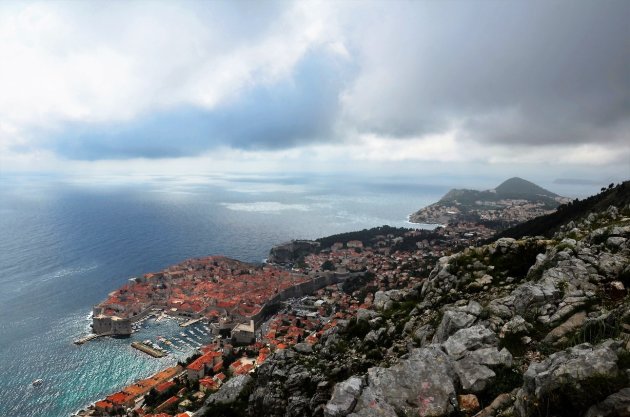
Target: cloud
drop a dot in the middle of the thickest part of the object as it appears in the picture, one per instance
(100, 62)
(385, 81)
(535, 73)
(286, 114)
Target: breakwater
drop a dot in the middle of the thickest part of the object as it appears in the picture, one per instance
(147, 349)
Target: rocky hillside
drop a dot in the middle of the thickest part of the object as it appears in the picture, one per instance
(519, 327)
(547, 225)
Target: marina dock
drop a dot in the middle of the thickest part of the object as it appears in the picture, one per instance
(190, 322)
(148, 350)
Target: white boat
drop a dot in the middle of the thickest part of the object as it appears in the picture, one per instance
(38, 382)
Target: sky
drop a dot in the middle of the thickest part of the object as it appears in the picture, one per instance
(537, 88)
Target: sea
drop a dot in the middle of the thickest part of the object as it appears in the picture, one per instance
(66, 242)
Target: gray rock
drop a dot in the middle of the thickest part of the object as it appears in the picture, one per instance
(559, 334)
(565, 310)
(342, 324)
(516, 326)
(396, 295)
(408, 327)
(615, 241)
(452, 321)
(297, 406)
(620, 231)
(297, 379)
(612, 212)
(469, 339)
(303, 348)
(376, 322)
(502, 307)
(611, 264)
(473, 376)
(472, 307)
(229, 392)
(380, 300)
(569, 369)
(616, 405)
(529, 296)
(485, 280)
(492, 357)
(422, 333)
(503, 245)
(420, 385)
(364, 314)
(344, 397)
(374, 336)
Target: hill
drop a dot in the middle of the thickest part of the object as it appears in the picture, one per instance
(519, 187)
(513, 201)
(513, 188)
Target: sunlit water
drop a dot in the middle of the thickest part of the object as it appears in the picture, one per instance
(65, 244)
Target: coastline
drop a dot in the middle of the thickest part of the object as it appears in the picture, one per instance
(314, 283)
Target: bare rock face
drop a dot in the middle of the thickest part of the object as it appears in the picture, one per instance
(452, 321)
(473, 376)
(422, 385)
(615, 405)
(474, 350)
(230, 391)
(492, 357)
(344, 397)
(469, 339)
(570, 379)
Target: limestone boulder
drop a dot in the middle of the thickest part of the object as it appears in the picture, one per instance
(344, 397)
(469, 339)
(423, 384)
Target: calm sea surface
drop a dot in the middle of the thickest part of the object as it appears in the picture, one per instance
(66, 243)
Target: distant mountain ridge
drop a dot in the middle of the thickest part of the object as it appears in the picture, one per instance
(513, 188)
(519, 186)
(511, 202)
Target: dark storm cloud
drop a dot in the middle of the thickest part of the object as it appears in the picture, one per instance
(504, 72)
